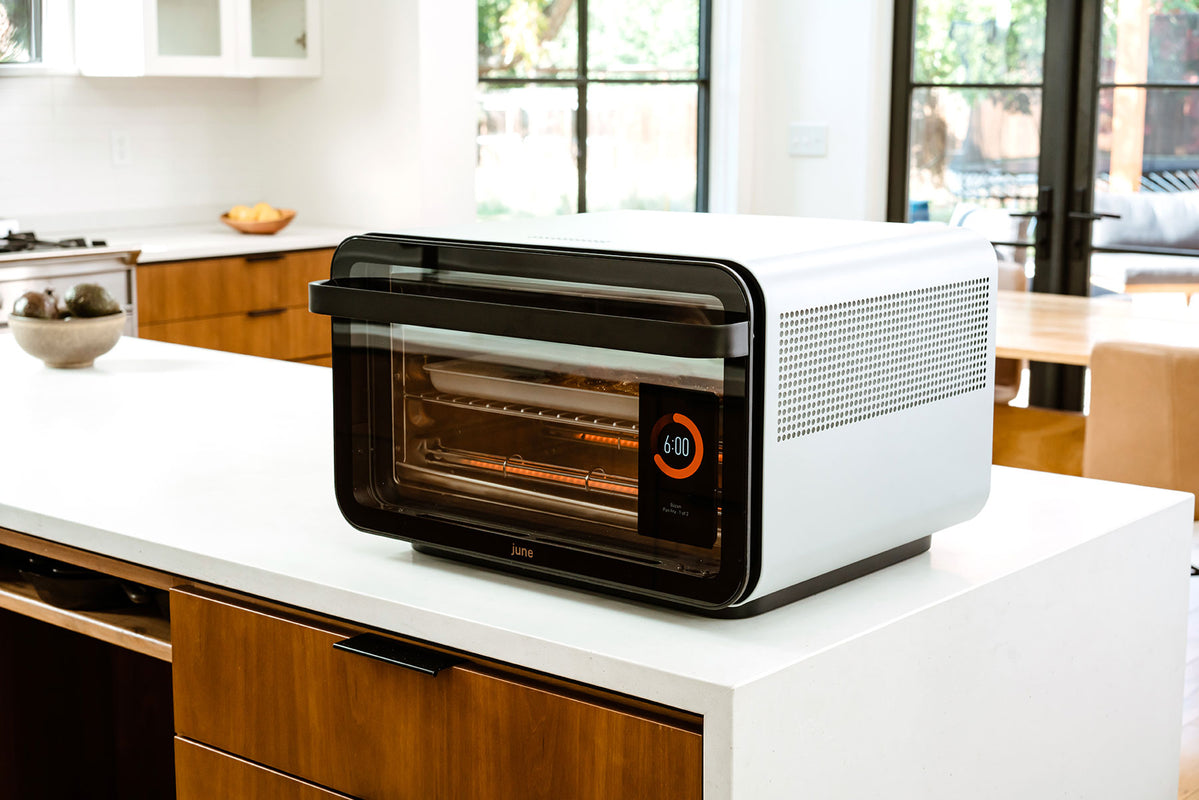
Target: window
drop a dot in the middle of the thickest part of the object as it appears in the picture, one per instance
(20, 31)
(589, 105)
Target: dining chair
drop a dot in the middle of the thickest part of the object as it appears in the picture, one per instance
(1008, 371)
(1143, 425)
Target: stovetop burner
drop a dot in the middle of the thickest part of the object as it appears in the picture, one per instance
(27, 240)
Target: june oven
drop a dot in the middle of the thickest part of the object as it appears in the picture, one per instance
(723, 413)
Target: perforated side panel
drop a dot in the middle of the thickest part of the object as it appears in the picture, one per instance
(846, 362)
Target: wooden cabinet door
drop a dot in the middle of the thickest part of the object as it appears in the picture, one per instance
(209, 287)
(271, 333)
(202, 773)
(274, 690)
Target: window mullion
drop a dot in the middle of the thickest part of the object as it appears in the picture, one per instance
(581, 115)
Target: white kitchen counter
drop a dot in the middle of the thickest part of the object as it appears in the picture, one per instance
(1034, 651)
(215, 240)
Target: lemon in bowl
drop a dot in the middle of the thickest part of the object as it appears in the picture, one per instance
(261, 218)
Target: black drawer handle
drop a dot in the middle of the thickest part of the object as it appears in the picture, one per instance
(265, 312)
(402, 654)
(264, 257)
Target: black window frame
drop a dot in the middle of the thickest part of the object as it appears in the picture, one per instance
(581, 81)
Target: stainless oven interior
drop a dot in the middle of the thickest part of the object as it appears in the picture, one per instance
(544, 436)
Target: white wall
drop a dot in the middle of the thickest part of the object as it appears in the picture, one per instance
(812, 61)
(193, 150)
(385, 137)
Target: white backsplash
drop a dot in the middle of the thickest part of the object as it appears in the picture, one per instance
(185, 149)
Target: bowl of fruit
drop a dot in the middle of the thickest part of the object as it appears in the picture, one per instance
(86, 326)
(261, 218)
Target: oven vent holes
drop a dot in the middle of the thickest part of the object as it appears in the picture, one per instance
(846, 362)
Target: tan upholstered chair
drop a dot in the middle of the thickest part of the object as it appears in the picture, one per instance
(1009, 370)
(1143, 425)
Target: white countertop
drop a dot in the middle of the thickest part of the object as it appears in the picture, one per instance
(215, 240)
(218, 467)
(1055, 621)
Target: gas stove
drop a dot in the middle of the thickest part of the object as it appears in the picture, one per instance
(22, 241)
(29, 263)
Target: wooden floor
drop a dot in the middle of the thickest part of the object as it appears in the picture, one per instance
(1188, 778)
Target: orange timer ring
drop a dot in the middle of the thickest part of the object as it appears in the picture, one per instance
(689, 469)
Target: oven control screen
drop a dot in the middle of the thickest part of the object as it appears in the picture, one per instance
(677, 472)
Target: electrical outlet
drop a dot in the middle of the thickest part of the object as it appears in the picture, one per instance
(807, 140)
(120, 148)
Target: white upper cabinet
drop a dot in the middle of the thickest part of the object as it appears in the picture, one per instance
(233, 38)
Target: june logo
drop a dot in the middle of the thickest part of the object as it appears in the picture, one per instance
(521, 550)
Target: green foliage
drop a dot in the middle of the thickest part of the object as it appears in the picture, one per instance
(527, 37)
(490, 12)
(16, 31)
(540, 37)
(979, 41)
(643, 36)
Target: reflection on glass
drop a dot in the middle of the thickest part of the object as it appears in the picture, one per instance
(641, 146)
(189, 27)
(528, 39)
(975, 146)
(18, 31)
(979, 41)
(1148, 140)
(643, 38)
(526, 159)
(278, 29)
(1150, 42)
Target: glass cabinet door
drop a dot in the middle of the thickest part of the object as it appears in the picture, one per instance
(190, 37)
(280, 37)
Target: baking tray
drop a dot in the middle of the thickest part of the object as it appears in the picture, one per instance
(490, 381)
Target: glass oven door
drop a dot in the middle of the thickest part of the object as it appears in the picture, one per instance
(547, 412)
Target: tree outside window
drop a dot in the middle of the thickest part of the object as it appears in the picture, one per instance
(19, 31)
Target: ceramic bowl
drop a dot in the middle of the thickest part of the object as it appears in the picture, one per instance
(67, 343)
(274, 226)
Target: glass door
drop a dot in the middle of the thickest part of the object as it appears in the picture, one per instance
(972, 101)
(1146, 152)
(970, 145)
(578, 412)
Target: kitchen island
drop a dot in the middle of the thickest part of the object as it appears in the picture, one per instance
(1037, 650)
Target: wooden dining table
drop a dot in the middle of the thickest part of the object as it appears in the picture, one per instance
(1062, 329)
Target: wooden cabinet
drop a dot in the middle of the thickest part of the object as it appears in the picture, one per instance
(270, 686)
(244, 698)
(85, 695)
(202, 773)
(256, 304)
(230, 38)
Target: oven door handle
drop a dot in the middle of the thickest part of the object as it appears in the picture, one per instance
(634, 334)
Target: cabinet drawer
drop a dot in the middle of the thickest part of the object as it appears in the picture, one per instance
(273, 689)
(207, 287)
(202, 773)
(290, 333)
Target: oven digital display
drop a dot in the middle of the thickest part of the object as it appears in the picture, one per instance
(678, 465)
(679, 446)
